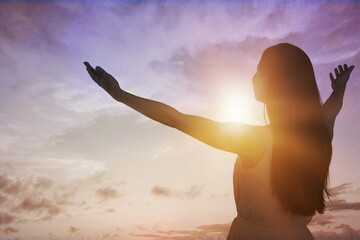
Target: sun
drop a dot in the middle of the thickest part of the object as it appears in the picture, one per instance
(232, 106)
(236, 107)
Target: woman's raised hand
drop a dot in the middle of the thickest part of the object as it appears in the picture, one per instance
(104, 80)
(342, 74)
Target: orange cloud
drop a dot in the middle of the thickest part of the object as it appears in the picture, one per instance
(209, 232)
(39, 205)
(73, 229)
(10, 230)
(6, 218)
(107, 193)
(161, 191)
(110, 210)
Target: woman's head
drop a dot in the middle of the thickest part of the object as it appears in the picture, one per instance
(285, 82)
(285, 79)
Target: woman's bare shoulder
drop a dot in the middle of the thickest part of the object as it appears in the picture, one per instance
(254, 148)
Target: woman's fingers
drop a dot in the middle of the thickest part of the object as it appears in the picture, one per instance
(331, 77)
(101, 71)
(90, 67)
(98, 68)
(95, 70)
(341, 69)
(93, 75)
(87, 64)
(102, 78)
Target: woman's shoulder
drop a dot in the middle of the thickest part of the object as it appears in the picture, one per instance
(258, 134)
(256, 145)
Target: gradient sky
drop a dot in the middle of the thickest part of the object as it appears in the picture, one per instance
(75, 164)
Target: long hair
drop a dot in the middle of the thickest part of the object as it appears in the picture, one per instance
(302, 145)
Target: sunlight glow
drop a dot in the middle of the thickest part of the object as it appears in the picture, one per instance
(232, 109)
(235, 106)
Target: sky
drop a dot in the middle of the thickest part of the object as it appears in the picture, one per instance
(76, 164)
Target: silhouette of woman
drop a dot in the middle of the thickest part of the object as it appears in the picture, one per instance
(280, 174)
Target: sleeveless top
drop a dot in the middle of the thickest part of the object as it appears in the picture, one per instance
(259, 213)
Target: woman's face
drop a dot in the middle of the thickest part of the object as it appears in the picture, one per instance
(259, 81)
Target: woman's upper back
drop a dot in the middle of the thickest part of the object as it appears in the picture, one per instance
(253, 193)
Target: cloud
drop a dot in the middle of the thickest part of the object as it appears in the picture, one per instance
(44, 98)
(173, 232)
(211, 231)
(147, 235)
(30, 16)
(225, 61)
(30, 197)
(338, 190)
(43, 183)
(338, 204)
(106, 193)
(346, 233)
(110, 210)
(109, 236)
(322, 219)
(9, 185)
(335, 204)
(39, 205)
(10, 230)
(214, 227)
(341, 204)
(73, 229)
(160, 191)
(220, 231)
(6, 218)
(3, 199)
(233, 60)
(26, 194)
(219, 195)
(12, 185)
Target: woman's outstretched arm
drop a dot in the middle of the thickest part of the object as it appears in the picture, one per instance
(333, 104)
(238, 138)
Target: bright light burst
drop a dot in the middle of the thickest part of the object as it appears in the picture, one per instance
(235, 106)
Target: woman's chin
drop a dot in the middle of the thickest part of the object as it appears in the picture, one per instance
(259, 99)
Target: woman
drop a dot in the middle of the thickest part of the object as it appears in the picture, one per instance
(280, 175)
